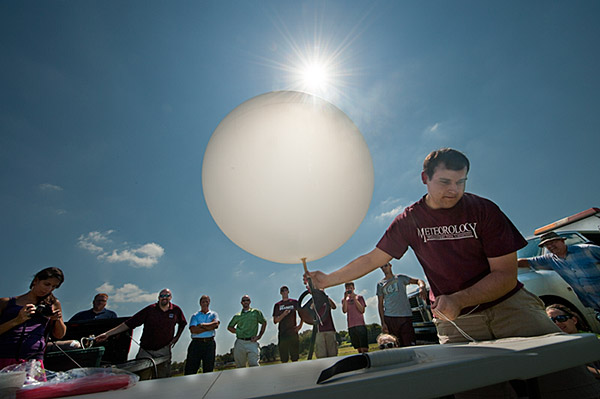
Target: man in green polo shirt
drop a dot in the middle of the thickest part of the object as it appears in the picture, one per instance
(245, 327)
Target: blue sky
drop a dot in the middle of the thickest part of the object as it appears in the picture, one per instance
(107, 108)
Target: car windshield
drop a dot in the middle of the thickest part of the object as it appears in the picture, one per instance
(531, 249)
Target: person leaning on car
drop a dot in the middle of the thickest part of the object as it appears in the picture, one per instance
(577, 264)
(467, 248)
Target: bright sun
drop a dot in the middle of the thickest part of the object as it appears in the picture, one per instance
(315, 76)
(321, 66)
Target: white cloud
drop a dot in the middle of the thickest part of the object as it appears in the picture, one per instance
(88, 246)
(372, 312)
(389, 215)
(127, 293)
(434, 128)
(96, 242)
(49, 187)
(145, 256)
(91, 240)
(241, 271)
(106, 288)
(372, 301)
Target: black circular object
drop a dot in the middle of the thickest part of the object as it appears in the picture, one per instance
(307, 312)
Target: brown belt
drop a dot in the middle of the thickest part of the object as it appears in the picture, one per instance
(204, 339)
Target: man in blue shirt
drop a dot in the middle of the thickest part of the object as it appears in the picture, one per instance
(203, 347)
(97, 312)
(578, 265)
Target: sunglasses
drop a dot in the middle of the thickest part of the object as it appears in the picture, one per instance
(164, 295)
(561, 318)
(387, 345)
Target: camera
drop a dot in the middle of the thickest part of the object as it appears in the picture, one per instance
(44, 310)
(349, 292)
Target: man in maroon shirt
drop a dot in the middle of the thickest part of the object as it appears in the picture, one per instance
(467, 248)
(158, 337)
(284, 313)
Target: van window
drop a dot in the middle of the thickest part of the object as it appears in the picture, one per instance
(531, 249)
(594, 237)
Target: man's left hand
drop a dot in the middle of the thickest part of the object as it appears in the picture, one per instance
(446, 307)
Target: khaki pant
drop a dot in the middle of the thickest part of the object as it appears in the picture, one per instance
(245, 352)
(163, 370)
(521, 315)
(325, 344)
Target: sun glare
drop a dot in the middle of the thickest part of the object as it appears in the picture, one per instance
(317, 60)
(315, 76)
(316, 73)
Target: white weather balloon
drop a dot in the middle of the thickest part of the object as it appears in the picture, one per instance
(287, 175)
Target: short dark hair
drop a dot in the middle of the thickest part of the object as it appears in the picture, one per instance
(451, 158)
(204, 297)
(48, 273)
(284, 287)
(349, 283)
(102, 294)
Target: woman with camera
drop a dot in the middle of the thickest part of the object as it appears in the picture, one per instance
(27, 320)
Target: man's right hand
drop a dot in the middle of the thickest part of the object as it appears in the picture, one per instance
(318, 278)
(446, 308)
(101, 338)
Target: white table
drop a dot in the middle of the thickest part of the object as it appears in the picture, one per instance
(430, 371)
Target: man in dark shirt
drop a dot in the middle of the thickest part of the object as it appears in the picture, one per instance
(284, 313)
(97, 312)
(467, 248)
(158, 337)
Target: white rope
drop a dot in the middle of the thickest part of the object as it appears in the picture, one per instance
(460, 330)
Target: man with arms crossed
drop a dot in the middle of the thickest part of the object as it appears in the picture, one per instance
(284, 313)
(202, 348)
(394, 308)
(245, 327)
(467, 248)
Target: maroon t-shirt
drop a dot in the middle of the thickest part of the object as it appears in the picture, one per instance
(327, 320)
(453, 244)
(287, 325)
(159, 326)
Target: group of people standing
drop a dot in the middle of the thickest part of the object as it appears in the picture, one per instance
(465, 244)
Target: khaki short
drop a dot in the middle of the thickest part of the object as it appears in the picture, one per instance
(521, 315)
(325, 344)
